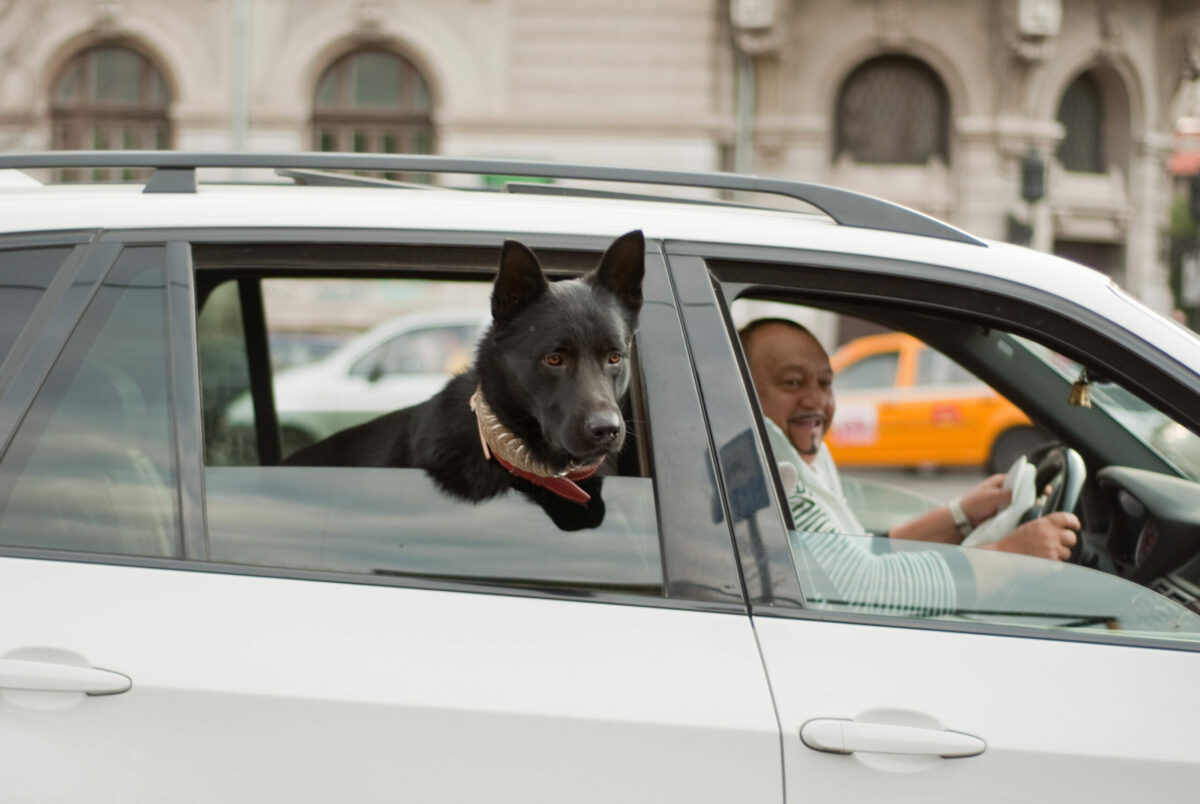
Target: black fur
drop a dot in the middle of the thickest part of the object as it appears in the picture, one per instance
(565, 408)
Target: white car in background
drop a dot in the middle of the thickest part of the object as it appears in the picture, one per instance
(397, 363)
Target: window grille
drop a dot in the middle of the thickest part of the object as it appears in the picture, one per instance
(1082, 115)
(373, 101)
(893, 109)
(110, 97)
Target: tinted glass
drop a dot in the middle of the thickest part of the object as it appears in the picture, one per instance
(24, 276)
(871, 575)
(92, 464)
(396, 522)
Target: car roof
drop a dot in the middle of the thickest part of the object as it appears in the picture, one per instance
(856, 225)
(70, 207)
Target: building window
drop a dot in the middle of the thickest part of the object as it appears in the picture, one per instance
(110, 98)
(373, 101)
(893, 109)
(1082, 115)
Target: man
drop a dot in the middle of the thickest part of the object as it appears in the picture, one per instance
(794, 382)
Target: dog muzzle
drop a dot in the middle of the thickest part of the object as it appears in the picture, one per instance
(507, 448)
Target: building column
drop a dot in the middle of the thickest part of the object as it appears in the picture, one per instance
(1146, 270)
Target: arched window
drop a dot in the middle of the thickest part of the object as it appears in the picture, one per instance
(893, 109)
(1082, 114)
(110, 97)
(373, 101)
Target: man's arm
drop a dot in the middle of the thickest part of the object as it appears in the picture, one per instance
(980, 503)
(1051, 536)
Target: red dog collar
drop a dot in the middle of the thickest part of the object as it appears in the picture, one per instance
(495, 439)
(563, 485)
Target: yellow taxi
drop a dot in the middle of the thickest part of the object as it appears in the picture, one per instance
(903, 404)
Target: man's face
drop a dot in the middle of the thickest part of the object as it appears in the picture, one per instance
(794, 381)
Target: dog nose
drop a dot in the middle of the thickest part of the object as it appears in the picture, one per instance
(604, 427)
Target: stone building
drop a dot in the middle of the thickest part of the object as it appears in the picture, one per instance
(936, 104)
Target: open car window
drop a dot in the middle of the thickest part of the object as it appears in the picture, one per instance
(1137, 570)
(381, 340)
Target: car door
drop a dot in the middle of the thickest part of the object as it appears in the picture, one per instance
(183, 630)
(1086, 697)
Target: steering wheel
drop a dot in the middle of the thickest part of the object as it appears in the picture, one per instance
(1063, 470)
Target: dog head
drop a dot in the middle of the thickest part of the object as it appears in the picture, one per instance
(556, 363)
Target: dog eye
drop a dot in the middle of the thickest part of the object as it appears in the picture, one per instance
(553, 359)
(614, 358)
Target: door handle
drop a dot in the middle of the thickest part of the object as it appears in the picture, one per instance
(837, 736)
(22, 674)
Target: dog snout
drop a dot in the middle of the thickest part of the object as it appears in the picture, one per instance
(604, 427)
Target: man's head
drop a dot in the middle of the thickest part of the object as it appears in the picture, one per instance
(793, 379)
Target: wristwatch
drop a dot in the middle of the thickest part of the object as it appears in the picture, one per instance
(960, 517)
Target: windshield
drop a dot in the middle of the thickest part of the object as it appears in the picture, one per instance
(1170, 439)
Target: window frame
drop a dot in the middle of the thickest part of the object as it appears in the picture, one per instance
(864, 150)
(1083, 148)
(722, 274)
(87, 272)
(83, 115)
(406, 122)
(700, 567)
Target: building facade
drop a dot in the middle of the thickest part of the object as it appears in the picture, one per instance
(942, 105)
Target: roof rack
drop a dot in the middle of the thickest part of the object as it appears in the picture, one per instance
(175, 172)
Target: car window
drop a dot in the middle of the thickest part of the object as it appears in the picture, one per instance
(855, 573)
(24, 276)
(846, 564)
(873, 371)
(382, 521)
(92, 464)
(1160, 432)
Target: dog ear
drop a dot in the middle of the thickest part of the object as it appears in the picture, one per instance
(519, 283)
(621, 269)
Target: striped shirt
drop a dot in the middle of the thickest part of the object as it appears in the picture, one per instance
(839, 569)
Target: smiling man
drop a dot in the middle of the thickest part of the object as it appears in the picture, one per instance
(794, 382)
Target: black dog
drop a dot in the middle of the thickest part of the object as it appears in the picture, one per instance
(539, 410)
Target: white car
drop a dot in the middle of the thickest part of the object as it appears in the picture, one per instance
(187, 620)
(395, 364)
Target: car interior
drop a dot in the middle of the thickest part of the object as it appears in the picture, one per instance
(1139, 508)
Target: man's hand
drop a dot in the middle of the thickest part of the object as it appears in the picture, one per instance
(1052, 537)
(984, 500)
